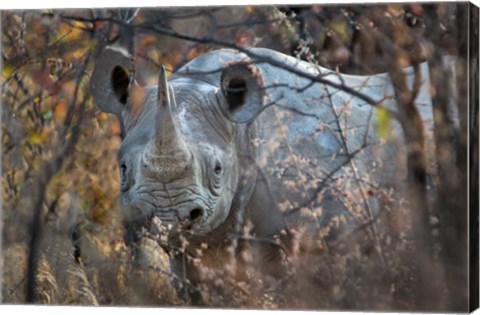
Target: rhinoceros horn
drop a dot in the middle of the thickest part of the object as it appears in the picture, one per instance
(167, 143)
(166, 134)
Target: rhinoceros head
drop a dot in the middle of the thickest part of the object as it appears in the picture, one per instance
(185, 161)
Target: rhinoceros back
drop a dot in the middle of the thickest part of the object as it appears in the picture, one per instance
(316, 141)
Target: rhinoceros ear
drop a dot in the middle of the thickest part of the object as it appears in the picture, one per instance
(111, 79)
(243, 88)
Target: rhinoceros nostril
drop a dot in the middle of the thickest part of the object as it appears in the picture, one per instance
(196, 214)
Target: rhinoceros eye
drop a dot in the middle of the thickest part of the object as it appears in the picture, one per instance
(216, 178)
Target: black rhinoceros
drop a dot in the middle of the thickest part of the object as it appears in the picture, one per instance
(257, 142)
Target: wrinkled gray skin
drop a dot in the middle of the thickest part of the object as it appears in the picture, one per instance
(201, 160)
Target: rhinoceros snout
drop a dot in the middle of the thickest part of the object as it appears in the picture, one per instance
(186, 217)
(189, 216)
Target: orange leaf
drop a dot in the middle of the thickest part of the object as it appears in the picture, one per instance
(148, 40)
(115, 128)
(59, 111)
(244, 38)
(137, 94)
